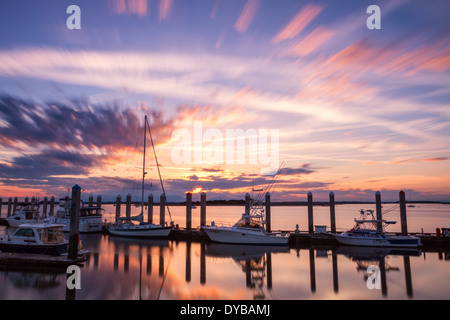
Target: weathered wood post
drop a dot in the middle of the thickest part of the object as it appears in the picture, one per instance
(74, 222)
(188, 211)
(247, 203)
(9, 206)
(91, 201)
(310, 213)
(379, 212)
(118, 206)
(268, 217)
(44, 208)
(403, 219)
(332, 213)
(26, 201)
(52, 205)
(16, 200)
(99, 201)
(150, 208)
(203, 209)
(162, 209)
(128, 206)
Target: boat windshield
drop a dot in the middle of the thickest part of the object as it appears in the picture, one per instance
(24, 232)
(247, 221)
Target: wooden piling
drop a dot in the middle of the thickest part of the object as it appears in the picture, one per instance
(162, 209)
(379, 212)
(99, 201)
(332, 213)
(128, 206)
(9, 206)
(52, 206)
(188, 211)
(247, 203)
(44, 207)
(268, 213)
(91, 201)
(310, 213)
(16, 200)
(203, 209)
(74, 222)
(150, 208)
(118, 206)
(403, 220)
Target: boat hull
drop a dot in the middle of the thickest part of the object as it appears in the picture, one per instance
(397, 241)
(85, 224)
(151, 231)
(236, 236)
(54, 249)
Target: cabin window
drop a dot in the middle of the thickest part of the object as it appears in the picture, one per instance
(24, 232)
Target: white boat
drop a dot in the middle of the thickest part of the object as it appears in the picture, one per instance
(90, 219)
(248, 230)
(370, 233)
(26, 214)
(125, 226)
(36, 238)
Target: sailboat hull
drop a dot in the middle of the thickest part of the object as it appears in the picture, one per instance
(139, 231)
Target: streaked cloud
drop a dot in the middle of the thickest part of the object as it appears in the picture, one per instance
(137, 7)
(310, 43)
(247, 15)
(165, 8)
(303, 18)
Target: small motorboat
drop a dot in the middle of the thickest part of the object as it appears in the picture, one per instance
(370, 233)
(36, 238)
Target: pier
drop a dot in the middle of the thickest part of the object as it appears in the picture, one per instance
(298, 238)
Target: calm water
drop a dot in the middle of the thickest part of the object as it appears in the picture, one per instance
(148, 269)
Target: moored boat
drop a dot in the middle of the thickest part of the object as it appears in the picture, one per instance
(370, 233)
(26, 214)
(248, 230)
(36, 238)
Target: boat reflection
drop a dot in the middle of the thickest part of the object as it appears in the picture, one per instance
(364, 257)
(254, 261)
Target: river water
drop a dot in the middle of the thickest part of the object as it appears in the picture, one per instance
(146, 269)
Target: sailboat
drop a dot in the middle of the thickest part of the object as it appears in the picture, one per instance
(125, 226)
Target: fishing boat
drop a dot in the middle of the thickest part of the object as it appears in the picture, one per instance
(371, 233)
(250, 229)
(90, 219)
(125, 226)
(26, 214)
(36, 238)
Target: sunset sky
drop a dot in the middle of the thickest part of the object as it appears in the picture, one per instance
(356, 110)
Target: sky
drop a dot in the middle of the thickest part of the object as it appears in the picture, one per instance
(234, 91)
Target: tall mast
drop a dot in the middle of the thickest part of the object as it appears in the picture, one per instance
(143, 164)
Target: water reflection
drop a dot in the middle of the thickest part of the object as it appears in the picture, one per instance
(121, 268)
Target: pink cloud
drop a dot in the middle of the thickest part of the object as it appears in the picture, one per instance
(298, 23)
(247, 15)
(310, 43)
(165, 8)
(138, 7)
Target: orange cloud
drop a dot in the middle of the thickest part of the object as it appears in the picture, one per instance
(298, 23)
(309, 44)
(247, 15)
